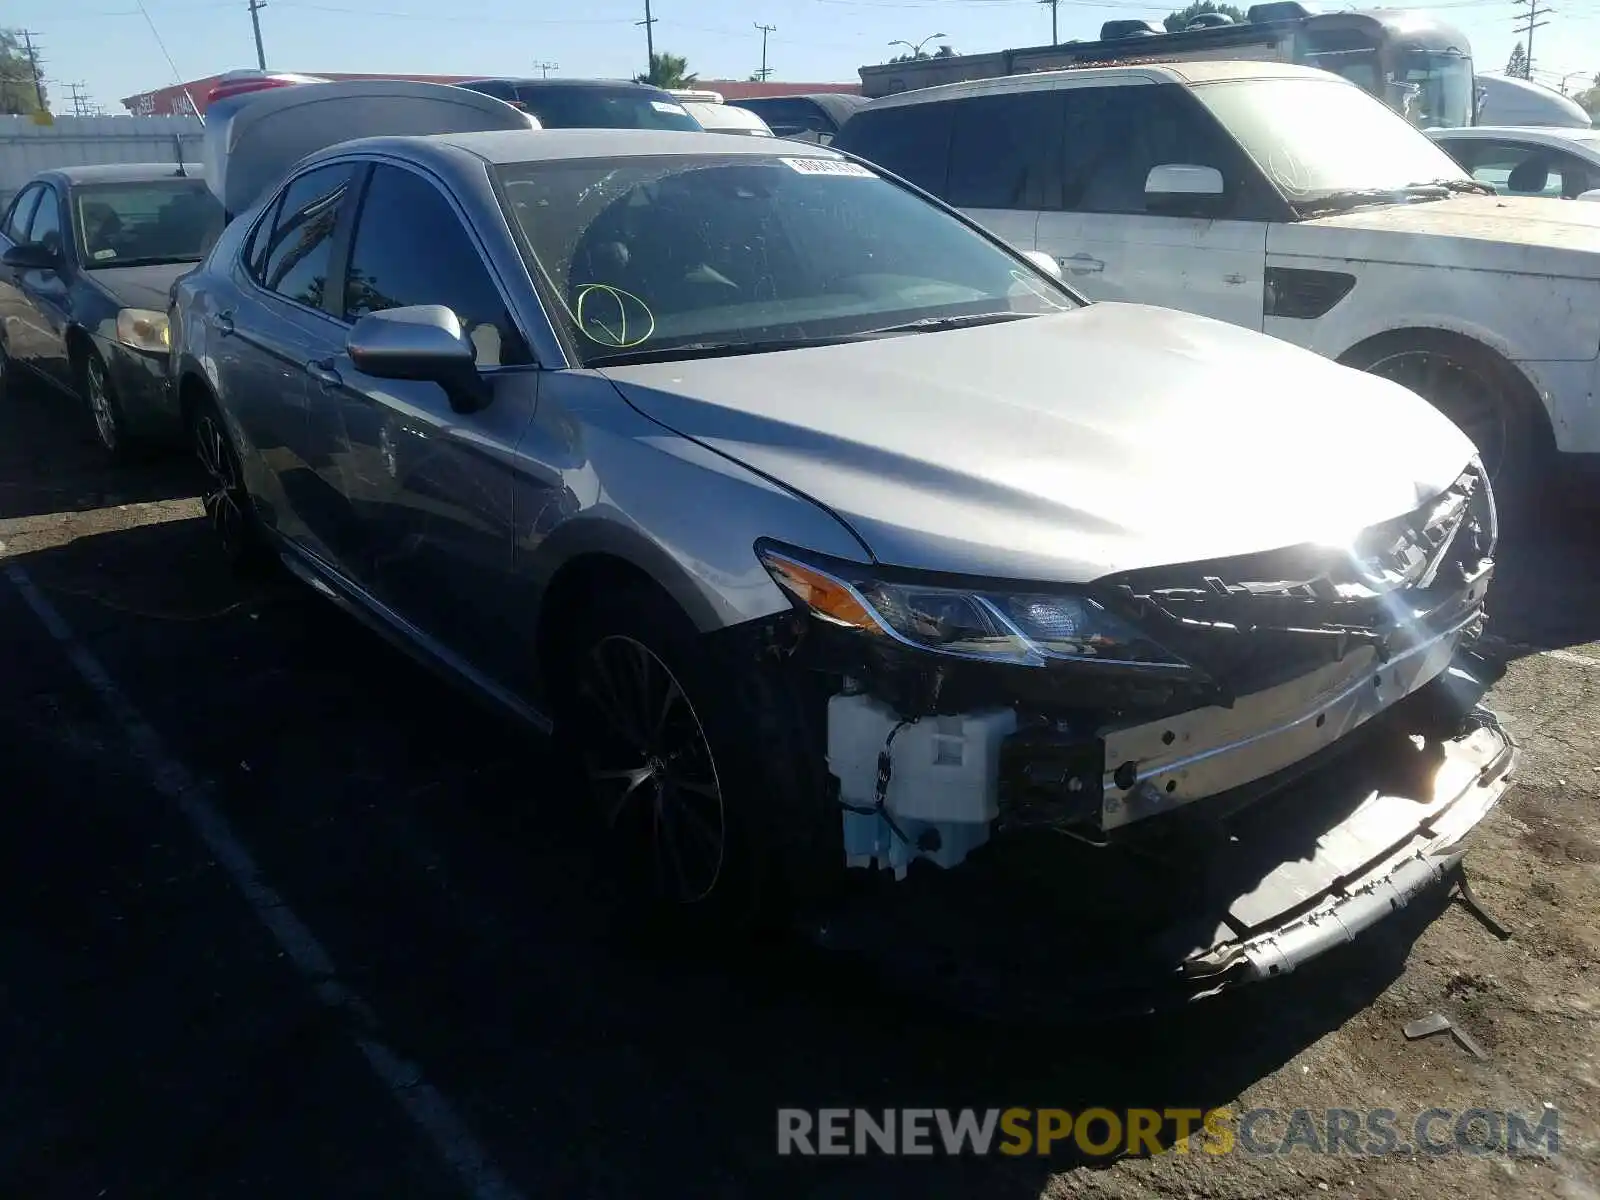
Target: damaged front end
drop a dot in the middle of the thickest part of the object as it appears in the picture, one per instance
(1304, 723)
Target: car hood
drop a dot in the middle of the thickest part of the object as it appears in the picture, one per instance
(141, 287)
(1514, 233)
(1067, 447)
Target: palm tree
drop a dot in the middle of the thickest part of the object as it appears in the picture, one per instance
(668, 71)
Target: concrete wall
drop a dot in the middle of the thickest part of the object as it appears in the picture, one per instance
(26, 148)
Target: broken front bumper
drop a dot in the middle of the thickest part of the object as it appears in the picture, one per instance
(1223, 893)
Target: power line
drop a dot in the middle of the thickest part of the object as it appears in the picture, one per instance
(1527, 23)
(78, 94)
(765, 71)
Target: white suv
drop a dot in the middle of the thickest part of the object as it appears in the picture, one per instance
(1283, 199)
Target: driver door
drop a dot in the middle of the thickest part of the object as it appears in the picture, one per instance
(429, 488)
(1111, 247)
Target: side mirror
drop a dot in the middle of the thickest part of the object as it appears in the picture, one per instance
(1044, 262)
(1183, 189)
(1591, 194)
(31, 257)
(423, 342)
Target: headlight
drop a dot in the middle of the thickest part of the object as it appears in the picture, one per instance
(1025, 628)
(143, 329)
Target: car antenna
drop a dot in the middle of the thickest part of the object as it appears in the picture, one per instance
(176, 74)
(177, 148)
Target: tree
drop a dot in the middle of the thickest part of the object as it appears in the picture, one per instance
(1180, 19)
(1590, 98)
(946, 52)
(668, 71)
(19, 91)
(1517, 64)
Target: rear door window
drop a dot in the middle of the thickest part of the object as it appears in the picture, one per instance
(908, 140)
(1005, 151)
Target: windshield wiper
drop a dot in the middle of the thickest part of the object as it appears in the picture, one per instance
(928, 324)
(1339, 201)
(1474, 186)
(644, 354)
(165, 260)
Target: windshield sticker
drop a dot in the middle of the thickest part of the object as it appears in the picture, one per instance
(103, 254)
(667, 106)
(612, 317)
(828, 166)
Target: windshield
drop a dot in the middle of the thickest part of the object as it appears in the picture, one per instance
(1314, 138)
(590, 107)
(1436, 89)
(125, 224)
(644, 255)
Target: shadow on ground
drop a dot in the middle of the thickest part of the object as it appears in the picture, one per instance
(51, 461)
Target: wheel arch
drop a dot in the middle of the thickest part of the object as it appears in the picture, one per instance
(1464, 348)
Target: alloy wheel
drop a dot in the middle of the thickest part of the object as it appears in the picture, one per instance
(1457, 392)
(224, 498)
(100, 404)
(651, 769)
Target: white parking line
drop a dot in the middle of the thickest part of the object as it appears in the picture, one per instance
(423, 1103)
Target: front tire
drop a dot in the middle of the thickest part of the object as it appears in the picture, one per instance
(697, 781)
(110, 427)
(1481, 394)
(226, 501)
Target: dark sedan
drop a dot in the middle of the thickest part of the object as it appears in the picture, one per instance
(89, 255)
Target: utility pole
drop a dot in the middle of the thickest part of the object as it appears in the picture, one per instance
(33, 66)
(765, 29)
(1055, 38)
(544, 68)
(255, 22)
(649, 38)
(80, 100)
(1526, 24)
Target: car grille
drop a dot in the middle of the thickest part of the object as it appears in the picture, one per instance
(1255, 620)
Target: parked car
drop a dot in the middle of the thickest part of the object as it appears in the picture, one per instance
(590, 103)
(834, 533)
(717, 116)
(1288, 200)
(813, 118)
(89, 254)
(1544, 161)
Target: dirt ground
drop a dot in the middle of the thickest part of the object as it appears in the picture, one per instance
(160, 1041)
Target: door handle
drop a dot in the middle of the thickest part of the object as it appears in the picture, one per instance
(224, 324)
(1082, 264)
(322, 371)
(1234, 278)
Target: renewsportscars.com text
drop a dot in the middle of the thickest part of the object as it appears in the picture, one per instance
(1103, 1132)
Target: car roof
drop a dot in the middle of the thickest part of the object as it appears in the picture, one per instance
(558, 84)
(555, 145)
(122, 173)
(1186, 73)
(1563, 133)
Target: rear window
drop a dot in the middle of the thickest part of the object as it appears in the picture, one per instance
(604, 108)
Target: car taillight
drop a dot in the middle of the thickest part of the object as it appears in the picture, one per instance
(238, 87)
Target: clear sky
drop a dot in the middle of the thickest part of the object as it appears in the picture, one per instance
(109, 47)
